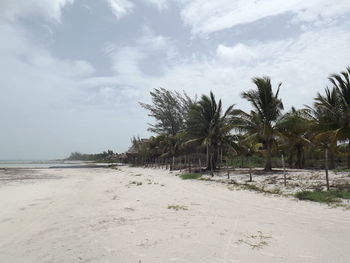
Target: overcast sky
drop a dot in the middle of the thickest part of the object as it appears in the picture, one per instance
(73, 71)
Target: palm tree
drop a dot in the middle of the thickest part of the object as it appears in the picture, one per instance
(341, 85)
(208, 126)
(294, 128)
(333, 111)
(261, 122)
(323, 121)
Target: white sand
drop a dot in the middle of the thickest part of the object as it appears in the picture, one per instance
(96, 215)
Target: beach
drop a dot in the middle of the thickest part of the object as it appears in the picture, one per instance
(151, 215)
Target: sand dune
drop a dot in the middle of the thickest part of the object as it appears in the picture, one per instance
(151, 215)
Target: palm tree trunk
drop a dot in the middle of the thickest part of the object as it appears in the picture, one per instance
(299, 156)
(349, 154)
(268, 165)
(211, 165)
(331, 160)
(291, 158)
(208, 161)
(326, 169)
(250, 170)
(303, 159)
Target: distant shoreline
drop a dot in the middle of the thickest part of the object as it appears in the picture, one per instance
(50, 164)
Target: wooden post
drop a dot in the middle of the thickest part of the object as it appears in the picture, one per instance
(284, 171)
(200, 164)
(326, 168)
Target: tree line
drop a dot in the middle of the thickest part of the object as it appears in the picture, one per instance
(201, 127)
(104, 156)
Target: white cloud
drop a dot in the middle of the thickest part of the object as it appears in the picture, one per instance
(210, 16)
(51, 9)
(125, 61)
(236, 54)
(160, 4)
(303, 64)
(121, 8)
(34, 84)
(55, 99)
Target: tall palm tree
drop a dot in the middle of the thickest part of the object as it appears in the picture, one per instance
(341, 83)
(208, 125)
(261, 122)
(294, 128)
(323, 121)
(334, 110)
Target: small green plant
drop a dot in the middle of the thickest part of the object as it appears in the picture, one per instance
(135, 182)
(333, 196)
(275, 191)
(252, 187)
(177, 207)
(258, 241)
(206, 179)
(190, 176)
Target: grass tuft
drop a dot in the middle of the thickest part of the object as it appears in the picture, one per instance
(333, 196)
(190, 176)
(252, 187)
(135, 182)
(177, 207)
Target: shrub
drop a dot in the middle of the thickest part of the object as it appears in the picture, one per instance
(177, 207)
(190, 176)
(323, 197)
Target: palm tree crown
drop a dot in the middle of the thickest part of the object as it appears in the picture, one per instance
(209, 126)
(262, 120)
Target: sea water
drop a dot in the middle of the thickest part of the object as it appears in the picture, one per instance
(37, 163)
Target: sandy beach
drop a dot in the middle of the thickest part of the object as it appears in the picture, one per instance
(151, 215)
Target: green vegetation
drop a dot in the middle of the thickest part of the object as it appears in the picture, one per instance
(209, 127)
(177, 207)
(136, 183)
(105, 157)
(257, 241)
(252, 187)
(260, 124)
(196, 134)
(332, 196)
(190, 176)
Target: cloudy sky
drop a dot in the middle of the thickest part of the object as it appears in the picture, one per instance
(73, 71)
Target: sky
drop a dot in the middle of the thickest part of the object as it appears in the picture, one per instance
(73, 71)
